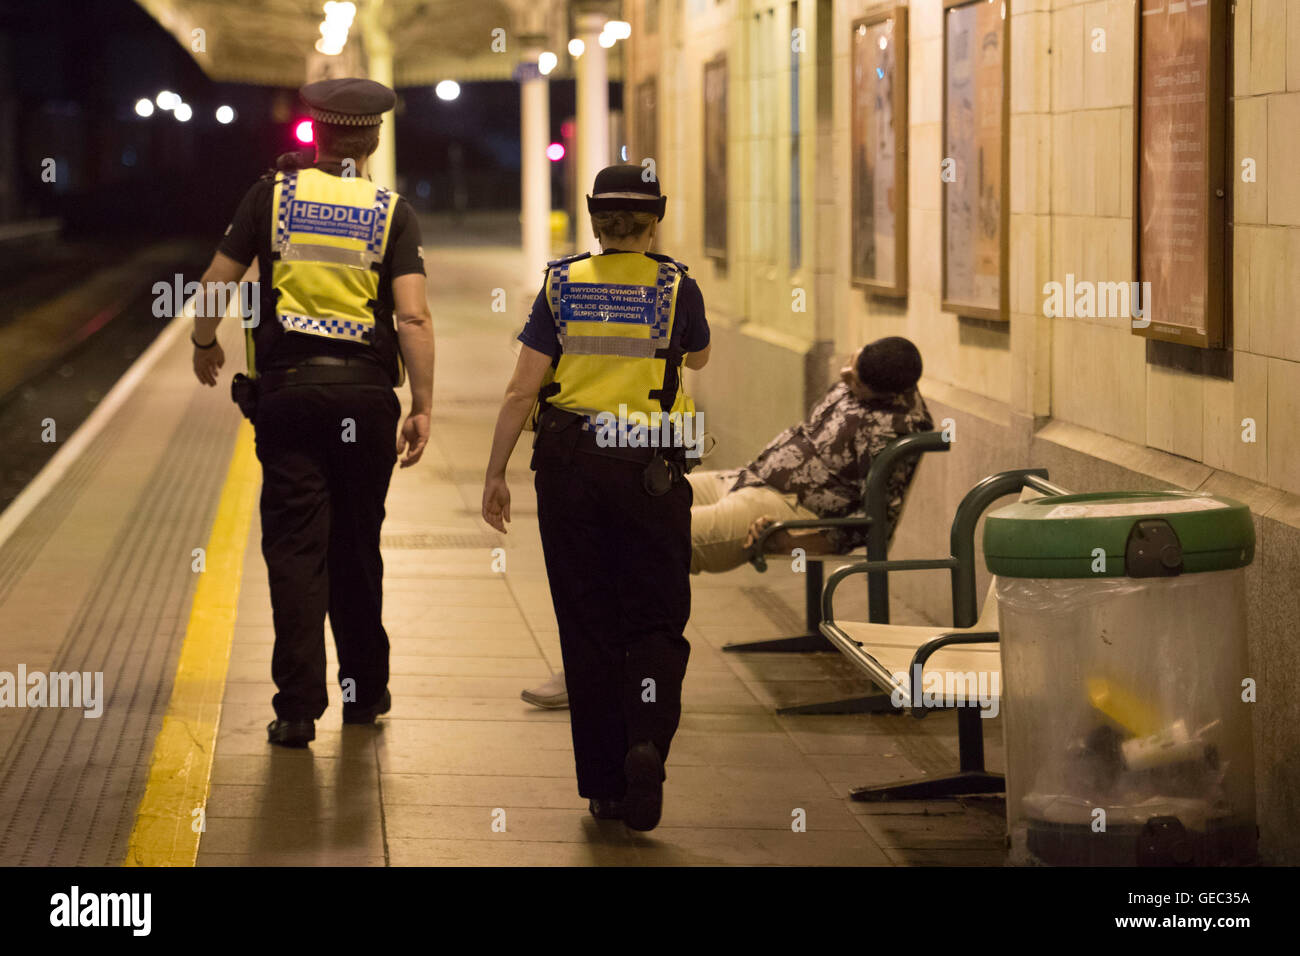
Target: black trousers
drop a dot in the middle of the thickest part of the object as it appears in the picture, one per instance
(322, 507)
(618, 561)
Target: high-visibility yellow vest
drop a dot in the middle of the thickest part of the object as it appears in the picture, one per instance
(616, 320)
(328, 236)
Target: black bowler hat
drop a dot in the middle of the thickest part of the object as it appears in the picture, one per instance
(348, 101)
(623, 188)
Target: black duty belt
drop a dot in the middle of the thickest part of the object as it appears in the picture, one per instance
(326, 370)
(587, 442)
(556, 419)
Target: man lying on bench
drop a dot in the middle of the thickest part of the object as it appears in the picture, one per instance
(816, 469)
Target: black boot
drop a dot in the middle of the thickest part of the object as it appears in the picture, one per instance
(603, 808)
(291, 733)
(644, 802)
(352, 714)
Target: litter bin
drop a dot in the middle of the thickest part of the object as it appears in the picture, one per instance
(1125, 679)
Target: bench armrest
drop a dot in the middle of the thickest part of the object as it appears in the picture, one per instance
(758, 555)
(866, 567)
(883, 465)
(916, 669)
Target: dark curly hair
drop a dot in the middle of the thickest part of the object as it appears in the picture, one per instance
(891, 364)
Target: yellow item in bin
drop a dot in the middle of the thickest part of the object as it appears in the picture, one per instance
(1123, 708)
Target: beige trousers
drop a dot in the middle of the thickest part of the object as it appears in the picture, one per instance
(720, 519)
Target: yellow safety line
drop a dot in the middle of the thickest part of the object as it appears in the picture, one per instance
(166, 831)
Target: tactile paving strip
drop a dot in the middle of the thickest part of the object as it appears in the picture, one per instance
(29, 537)
(69, 786)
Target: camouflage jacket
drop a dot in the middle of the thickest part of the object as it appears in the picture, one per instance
(824, 460)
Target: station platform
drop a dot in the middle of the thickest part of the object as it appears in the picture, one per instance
(98, 574)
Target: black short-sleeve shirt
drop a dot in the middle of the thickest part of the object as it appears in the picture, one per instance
(249, 236)
(539, 332)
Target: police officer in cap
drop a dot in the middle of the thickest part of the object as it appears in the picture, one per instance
(602, 356)
(342, 320)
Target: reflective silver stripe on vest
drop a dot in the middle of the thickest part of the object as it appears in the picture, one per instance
(608, 345)
(310, 252)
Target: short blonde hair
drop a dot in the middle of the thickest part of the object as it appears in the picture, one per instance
(621, 224)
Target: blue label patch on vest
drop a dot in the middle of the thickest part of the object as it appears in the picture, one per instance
(331, 219)
(604, 302)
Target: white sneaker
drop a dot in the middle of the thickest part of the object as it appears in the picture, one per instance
(552, 695)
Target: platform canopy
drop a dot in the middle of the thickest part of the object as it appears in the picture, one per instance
(273, 42)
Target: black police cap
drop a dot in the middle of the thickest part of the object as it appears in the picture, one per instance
(348, 101)
(624, 188)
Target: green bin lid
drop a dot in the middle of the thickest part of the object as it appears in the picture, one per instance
(1058, 537)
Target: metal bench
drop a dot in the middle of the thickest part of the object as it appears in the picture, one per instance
(898, 452)
(875, 520)
(884, 651)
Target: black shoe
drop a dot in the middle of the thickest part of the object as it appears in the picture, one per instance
(644, 802)
(291, 733)
(603, 808)
(352, 714)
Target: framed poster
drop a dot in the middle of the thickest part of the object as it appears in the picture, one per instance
(975, 169)
(1181, 190)
(715, 157)
(645, 142)
(878, 138)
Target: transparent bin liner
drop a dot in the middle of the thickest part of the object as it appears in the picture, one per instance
(1194, 814)
(1126, 694)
